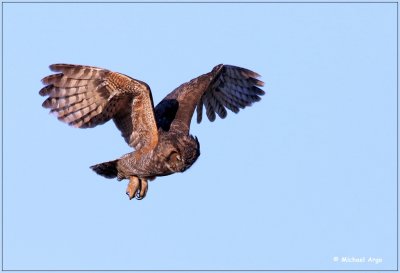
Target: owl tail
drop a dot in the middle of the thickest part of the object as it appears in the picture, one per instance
(106, 169)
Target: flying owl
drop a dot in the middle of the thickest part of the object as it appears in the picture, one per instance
(87, 96)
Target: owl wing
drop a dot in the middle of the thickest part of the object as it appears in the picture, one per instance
(86, 96)
(225, 87)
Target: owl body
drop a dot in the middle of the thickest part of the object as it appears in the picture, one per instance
(174, 153)
(87, 96)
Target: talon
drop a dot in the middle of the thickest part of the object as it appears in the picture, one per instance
(132, 187)
(143, 189)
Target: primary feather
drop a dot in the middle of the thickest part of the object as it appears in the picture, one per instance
(87, 96)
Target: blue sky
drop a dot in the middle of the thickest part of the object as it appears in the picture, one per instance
(306, 175)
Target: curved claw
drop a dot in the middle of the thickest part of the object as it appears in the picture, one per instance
(142, 189)
(137, 188)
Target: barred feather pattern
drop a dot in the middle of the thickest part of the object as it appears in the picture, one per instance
(86, 96)
(232, 88)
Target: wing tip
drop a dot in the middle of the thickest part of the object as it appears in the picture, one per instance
(259, 83)
(55, 67)
(49, 103)
(250, 73)
(257, 90)
(58, 67)
(247, 73)
(45, 90)
(48, 80)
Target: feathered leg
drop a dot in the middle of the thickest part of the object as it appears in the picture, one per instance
(137, 187)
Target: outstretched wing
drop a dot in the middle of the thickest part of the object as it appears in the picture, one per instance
(86, 96)
(225, 87)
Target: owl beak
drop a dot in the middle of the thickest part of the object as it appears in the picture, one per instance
(169, 167)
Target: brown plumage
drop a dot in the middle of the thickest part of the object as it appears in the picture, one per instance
(86, 96)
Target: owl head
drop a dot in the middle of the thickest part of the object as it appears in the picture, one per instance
(179, 153)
